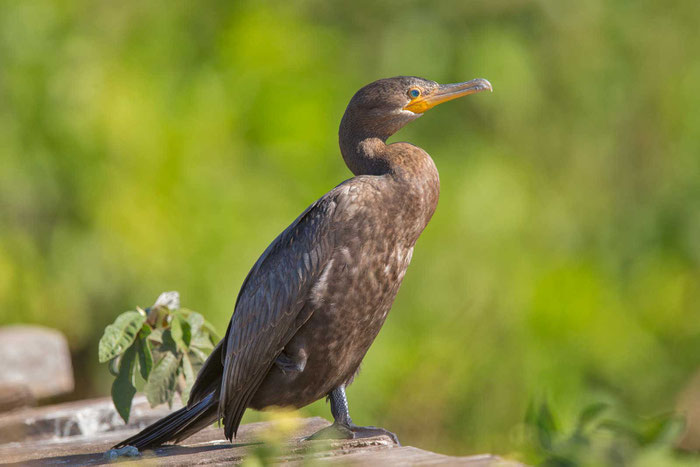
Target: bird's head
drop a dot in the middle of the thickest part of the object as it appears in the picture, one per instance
(383, 107)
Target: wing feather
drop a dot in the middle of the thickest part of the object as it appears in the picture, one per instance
(268, 305)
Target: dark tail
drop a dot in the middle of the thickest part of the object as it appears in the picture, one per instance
(178, 425)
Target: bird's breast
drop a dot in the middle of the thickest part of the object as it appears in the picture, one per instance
(374, 231)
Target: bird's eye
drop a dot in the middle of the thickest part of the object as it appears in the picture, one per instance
(414, 93)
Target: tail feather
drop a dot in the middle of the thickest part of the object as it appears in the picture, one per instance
(201, 411)
(177, 426)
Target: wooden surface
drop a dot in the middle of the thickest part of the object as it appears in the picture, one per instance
(80, 418)
(282, 443)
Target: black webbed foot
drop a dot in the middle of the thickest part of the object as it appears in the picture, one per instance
(352, 431)
(334, 431)
(370, 431)
(343, 427)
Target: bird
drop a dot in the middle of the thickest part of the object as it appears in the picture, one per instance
(313, 303)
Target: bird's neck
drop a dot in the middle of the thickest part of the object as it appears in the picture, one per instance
(411, 175)
(370, 155)
(366, 155)
(365, 152)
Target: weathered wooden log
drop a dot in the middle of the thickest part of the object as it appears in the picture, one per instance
(79, 433)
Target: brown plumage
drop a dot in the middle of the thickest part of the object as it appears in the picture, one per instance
(315, 300)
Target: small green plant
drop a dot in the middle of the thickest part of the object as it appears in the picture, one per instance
(158, 349)
(603, 435)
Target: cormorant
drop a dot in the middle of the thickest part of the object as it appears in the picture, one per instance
(315, 300)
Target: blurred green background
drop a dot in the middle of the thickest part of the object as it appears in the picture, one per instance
(151, 146)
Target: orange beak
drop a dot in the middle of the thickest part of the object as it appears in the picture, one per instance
(447, 92)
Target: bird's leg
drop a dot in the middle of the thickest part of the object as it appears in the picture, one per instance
(343, 427)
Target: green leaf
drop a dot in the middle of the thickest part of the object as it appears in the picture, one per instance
(181, 332)
(169, 300)
(114, 366)
(156, 336)
(188, 371)
(660, 430)
(123, 389)
(161, 383)
(199, 355)
(589, 414)
(145, 331)
(620, 429)
(168, 343)
(202, 342)
(208, 327)
(542, 421)
(670, 432)
(196, 321)
(145, 358)
(120, 335)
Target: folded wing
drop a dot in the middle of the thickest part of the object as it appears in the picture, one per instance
(270, 307)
